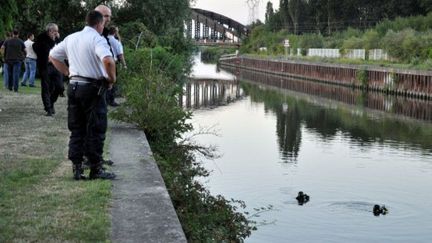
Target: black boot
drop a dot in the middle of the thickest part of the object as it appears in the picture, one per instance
(78, 172)
(100, 173)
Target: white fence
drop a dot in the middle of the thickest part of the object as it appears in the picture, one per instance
(321, 52)
(375, 54)
(378, 54)
(355, 54)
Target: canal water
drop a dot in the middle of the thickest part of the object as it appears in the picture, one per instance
(347, 150)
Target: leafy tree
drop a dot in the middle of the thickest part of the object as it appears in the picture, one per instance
(8, 12)
(284, 14)
(294, 11)
(269, 12)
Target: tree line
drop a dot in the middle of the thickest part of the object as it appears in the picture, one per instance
(328, 16)
(162, 19)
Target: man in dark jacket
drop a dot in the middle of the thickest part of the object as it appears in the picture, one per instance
(51, 79)
(14, 54)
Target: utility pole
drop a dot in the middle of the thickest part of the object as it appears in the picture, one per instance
(253, 9)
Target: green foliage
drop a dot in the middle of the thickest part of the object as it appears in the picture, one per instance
(408, 45)
(262, 37)
(406, 40)
(137, 35)
(158, 16)
(371, 40)
(152, 84)
(363, 78)
(311, 41)
(7, 11)
(353, 43)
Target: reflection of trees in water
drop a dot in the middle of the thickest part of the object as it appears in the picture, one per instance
(288, 131)
(413, 108)
(361, 129)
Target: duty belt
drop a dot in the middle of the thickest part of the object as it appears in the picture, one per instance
(84, 80)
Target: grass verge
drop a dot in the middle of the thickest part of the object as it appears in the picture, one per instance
(39, 200)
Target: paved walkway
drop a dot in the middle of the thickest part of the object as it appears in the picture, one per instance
(142, 210)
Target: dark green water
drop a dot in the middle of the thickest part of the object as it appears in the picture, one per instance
(348, 153)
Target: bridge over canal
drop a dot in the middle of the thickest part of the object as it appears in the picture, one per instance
(210, 28)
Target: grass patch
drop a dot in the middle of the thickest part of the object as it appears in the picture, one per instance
(39, 200)
(24, 89)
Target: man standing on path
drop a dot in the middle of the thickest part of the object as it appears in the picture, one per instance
(51, 79)
(14, 54)
(91, 71)
(30, 62)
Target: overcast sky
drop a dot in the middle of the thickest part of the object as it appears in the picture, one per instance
(235, 9)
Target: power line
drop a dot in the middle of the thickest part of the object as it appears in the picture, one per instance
(253, 9)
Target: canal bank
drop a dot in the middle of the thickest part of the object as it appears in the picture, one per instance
(409, 83)
(142, 210)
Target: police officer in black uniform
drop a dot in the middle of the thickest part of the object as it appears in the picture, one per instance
(91, 71)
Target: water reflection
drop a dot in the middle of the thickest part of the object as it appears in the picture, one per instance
(407, 107)
(202, 70)
(210, 93)
(292, 111)
(288, 130)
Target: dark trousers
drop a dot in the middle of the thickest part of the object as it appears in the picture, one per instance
(14, 70)
(87, 122)
(52, 86)
(110, 94)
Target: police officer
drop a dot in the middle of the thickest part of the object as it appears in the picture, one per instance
(91, 71)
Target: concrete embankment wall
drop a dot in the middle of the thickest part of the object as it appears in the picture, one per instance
(411, 83)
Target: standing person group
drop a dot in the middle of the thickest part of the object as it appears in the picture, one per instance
(88, 58)
(14, 54)
(92, 71)
(51, 79)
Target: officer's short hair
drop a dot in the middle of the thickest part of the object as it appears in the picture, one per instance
(15, 32)
(94, 17)
(50, 26)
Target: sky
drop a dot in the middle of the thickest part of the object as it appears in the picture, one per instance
(235, 9)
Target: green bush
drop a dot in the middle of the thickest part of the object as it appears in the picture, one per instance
(371, 40)
(136, 34)
(353, 43)
(311, 41)
(151, 85)
(362, 77)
